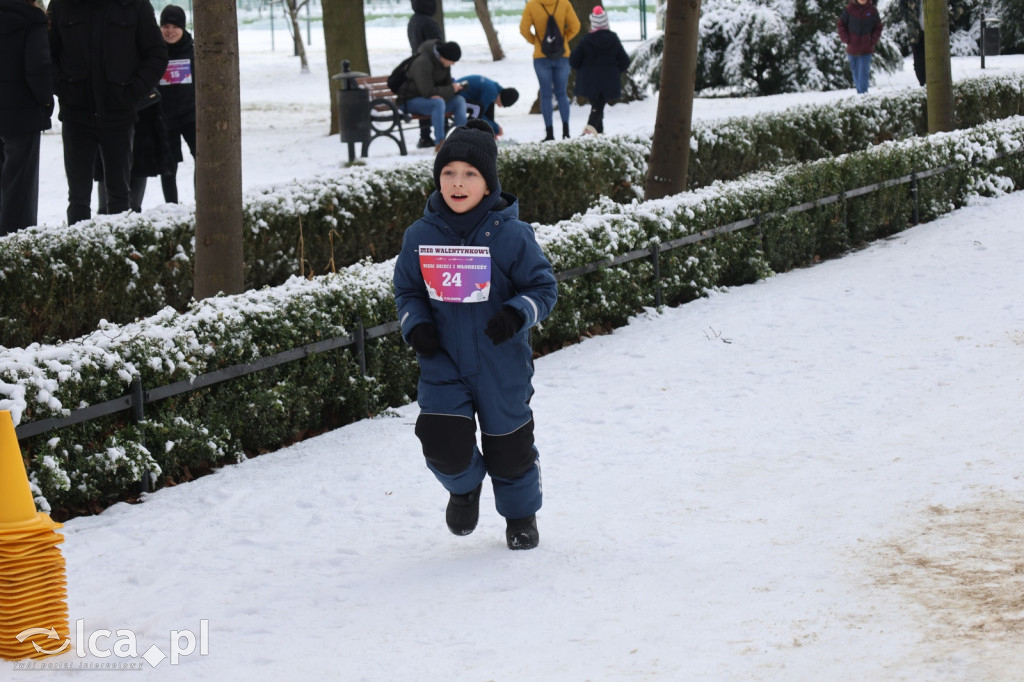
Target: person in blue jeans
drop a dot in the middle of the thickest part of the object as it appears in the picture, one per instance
(482, 94)
(428, 89)
(859, 28)
(552, 69)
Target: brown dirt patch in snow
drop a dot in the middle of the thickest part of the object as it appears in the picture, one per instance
(966, 567)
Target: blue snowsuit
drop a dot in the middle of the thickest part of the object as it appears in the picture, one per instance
(471, 378)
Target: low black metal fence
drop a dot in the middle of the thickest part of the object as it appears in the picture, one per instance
(138, 396)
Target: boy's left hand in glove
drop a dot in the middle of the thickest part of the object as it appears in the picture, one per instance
(504, 325)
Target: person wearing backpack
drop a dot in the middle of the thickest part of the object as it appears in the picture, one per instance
(549, 25)
(428, 88)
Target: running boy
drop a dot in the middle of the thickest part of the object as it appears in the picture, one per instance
(470, 282)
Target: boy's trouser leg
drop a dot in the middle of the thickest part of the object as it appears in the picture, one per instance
(449, 446)
(511, 461)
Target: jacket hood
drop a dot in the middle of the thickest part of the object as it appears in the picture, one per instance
(427, 7)
(18, 14)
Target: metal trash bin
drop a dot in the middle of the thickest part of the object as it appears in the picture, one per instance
(353, 109)
(990, 42)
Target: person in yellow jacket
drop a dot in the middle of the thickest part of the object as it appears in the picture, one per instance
(551, 55)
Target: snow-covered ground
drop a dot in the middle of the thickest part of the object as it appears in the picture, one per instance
(816, 477)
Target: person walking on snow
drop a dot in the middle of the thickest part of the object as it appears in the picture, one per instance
(470, 281)
(552, 69)
(860, 27)
(599, 61)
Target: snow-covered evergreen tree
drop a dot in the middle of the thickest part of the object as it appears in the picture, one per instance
(766, 47)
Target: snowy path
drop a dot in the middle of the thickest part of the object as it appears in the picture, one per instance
(817, 477)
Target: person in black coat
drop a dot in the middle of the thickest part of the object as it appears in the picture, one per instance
(26, 103)
(107, 56)
(599, 61)
(422, 27)
(178, 91)
(151, 157)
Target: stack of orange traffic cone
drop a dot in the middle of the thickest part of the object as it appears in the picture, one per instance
(33, 583)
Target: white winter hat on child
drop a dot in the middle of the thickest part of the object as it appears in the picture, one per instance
(598, 19)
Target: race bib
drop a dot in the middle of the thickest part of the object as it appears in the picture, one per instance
(456, 274)
(179, 72)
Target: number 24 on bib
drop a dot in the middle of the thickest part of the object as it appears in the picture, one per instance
(456, 274)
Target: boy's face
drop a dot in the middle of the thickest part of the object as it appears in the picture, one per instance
(462, 186)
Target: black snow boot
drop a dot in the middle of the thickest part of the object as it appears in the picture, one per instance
(565, 130)
(522, 533)
(463, 511)
(550, 134)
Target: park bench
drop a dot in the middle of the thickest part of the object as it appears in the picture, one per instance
(387, 119)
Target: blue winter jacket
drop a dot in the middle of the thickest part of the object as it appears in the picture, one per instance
(521, 277)
(483, 91)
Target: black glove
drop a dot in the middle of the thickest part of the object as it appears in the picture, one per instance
(504, 325)
(423, 339)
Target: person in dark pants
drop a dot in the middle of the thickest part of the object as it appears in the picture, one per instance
(150, 157)
(26, 103)
(422, 27)
(178, 91)
(107, 56)
(599, 61)
(470, 282)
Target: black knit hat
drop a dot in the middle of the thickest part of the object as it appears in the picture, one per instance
(508, 96)
(450, 51)
(173, 15)
(473, 143)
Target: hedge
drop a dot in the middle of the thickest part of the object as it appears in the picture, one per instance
(86, 466)
(59, 282)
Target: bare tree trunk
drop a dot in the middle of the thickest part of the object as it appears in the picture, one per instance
(219, 259)
(484, 13)
(939, 79)
(344, 38)
(292, 7)
(670, 148)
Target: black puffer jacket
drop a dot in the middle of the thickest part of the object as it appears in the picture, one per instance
(426, 76)
(599, 60)
(107, 55)
(178, 100)
(422, 26)
(26, 94)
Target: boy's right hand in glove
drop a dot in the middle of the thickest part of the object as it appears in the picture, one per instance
(423, 339)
